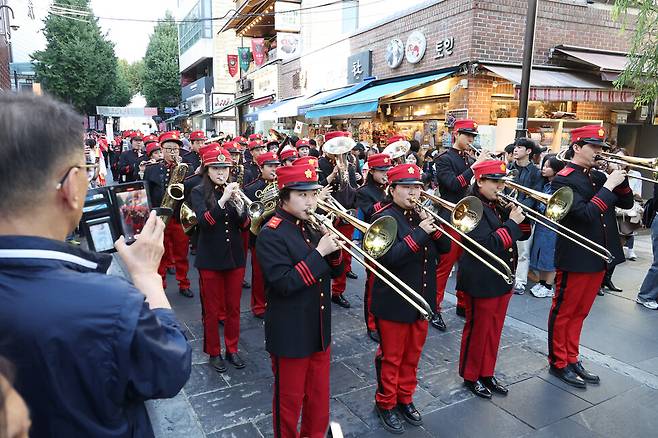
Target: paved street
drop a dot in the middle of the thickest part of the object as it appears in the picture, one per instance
(619, 340)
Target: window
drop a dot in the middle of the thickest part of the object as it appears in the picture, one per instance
(190, 31)
(350, 15)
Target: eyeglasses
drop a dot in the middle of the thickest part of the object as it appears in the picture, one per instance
(91, 170)
(172, 150)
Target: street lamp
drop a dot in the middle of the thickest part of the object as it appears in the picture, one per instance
(11, 26)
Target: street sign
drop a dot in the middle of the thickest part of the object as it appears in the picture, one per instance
(170, 110)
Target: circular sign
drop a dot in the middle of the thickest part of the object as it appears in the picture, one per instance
(394, 53)
(415, 48)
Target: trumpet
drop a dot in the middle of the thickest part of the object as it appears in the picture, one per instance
(255, 209)
(369, 262)
(471, 208)
(649, 164)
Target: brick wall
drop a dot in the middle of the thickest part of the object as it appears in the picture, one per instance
(598, 110)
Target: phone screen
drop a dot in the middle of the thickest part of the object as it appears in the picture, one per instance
(133, 206)
(101, 234)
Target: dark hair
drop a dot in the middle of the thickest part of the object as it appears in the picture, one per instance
(284, 195)
(90, 142)
(312, 142)
(526, 143)
(415, 145)
(37, 134)
(209, 192)
(510, 148)
(553, 163)
(415, 155)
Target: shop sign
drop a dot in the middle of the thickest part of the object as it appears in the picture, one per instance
(415, 47)
(444, 47)
(359, 66)
(245, 58)
(232, 62)
(197, 103)
(119, 111)
(222, 100)
(394, 53)
(288, 45)
(287, 17)
(259, 51)
(265, 81)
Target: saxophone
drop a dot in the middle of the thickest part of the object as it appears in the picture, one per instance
(175, 190)
(268, 198)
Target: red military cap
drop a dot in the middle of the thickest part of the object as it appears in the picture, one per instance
(135, 135)
(490, 169)
(466, 126)
(152, 147)
(267, 158)
(334, 134)
(297, 177)
(255, 144)
(217, 157)
(302, 143)
(254, 137)
(208, 147)
(593, 134)
(150, 139)
(233, 147)
(396, 138)
(170, 136)
(404, 174)
(288, 153)
(308, 160)
(197, 135)
(241, 140)
(379, 162)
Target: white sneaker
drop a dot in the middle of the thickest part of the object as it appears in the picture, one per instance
(519, 288)
(538, 291)
(550, 293)
(631, 254)
(647, 303)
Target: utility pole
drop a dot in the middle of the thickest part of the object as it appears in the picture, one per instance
(528, 48)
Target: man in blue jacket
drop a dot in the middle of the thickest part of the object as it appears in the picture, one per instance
(88, 348)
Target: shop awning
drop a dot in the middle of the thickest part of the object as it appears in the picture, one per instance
(609, 64)
(318, 98)
(270, 112)
(562, 85)
(366, 100)
(237, 102)
(177, 117)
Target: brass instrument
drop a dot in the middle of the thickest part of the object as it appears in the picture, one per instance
(369, 262)
(397, 150)
(255, 209)
(188, 218)
(267, 197)
(468, 213)
(336, 150)
(557, 205)
(648, 164)
(175, 190)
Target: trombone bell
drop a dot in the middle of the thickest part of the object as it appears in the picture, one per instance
(379, 236)
(559, 204)
(467, 214)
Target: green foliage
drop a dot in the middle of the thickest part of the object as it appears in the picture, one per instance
(78, 64)
(161, 78)
(122, 92)
(135, 74)
(641, 70)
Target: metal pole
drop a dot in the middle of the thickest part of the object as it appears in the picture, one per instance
(528, 47)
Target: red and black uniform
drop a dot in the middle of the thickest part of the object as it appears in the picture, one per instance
(579, 272)
(257, 285)
(220, 260)
(192, 159)
(486, 293)
(128, 165)
(298, 318)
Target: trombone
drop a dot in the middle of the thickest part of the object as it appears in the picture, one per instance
(557, 206)
(648, 164)
(466, 215)
(368, 261)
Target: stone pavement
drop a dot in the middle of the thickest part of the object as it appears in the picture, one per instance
(619, 344)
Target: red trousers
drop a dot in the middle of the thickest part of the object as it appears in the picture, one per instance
(301, 383)
(574, 295)
(257, 286)
(396, 361)
(338, 284)
(220, 300)
(367, 300)
(176, 247)
(446, 263)
(481, 336)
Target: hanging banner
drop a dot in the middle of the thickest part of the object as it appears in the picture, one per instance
(258, 49)
(232, 64)
(288, 45)
(245, 58)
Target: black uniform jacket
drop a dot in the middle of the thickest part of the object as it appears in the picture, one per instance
(453, 174)
(127, 162)
(345, 194)
(251, 172)
(250, 190)
(499, 234)
(157, 176)
(192, 159)
(413, 259)
(369, 198)
(298, 287)
(219, 244)
(592, 215)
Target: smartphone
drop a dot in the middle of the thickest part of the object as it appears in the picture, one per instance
(132, 205)
(100, 231)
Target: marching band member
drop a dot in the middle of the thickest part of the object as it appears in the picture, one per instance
(412, 258)
(298, 263)
(268, 163)
(252, 168)
(303, 147)
(128, 159)
(369, 199)
(153, 155)
(579, 272)
(486, 293)
(220, 256)
(193, 156)
(176, 242)
(288, 155)
(454, 172)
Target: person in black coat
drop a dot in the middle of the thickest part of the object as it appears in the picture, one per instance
(298, 263)
(486, 293)
(369, 199)
(128, 160)
(402, 331)
(220, 257)
(251, 167)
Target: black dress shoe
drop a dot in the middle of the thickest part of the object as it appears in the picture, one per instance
(171, 270)
(217, 363)
(568, 376)
(478, 388)
(610, 286)
(460, 311)
(259, 315)
(235, 360)
(437, 322)
(187, 292)
(410, 414)
(584, 374)
(374, 336)
(351, 275)
(390, 420)
(600, 292)
(246, 284)
(493, 385)
(341, 301)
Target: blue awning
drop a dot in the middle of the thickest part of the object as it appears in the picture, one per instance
(366, 99)
(322, 97)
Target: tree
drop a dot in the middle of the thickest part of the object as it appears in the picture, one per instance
(78, 64)
(161, 79)
(642, 67)
(135, 76)
(122, 93)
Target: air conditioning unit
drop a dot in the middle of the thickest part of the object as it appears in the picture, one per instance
(244, 85)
